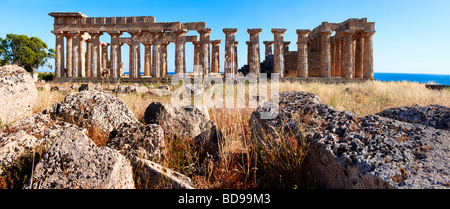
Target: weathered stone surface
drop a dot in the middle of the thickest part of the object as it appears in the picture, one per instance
(136, 140)
(74, 161)
(93, 108)
(191, 122)
(153, 175)
(436, 116)
(89, 87)
(13, 146)
(346, 151)
(17, 92)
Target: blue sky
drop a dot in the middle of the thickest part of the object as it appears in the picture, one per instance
(412, 36)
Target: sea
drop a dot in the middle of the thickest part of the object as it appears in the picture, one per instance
(440, 79)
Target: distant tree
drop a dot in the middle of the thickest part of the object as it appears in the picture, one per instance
(29, 53)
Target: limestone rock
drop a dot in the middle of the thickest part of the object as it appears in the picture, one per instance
(153, 175)
(13, 146)
(74, 161)
(18, 93)
(89, 87)
(93, 108)
(61, 89)
(136, 140)
(346, 151)
(436, 116)
(192, 122)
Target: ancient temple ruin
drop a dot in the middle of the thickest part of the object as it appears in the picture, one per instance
(342, 50)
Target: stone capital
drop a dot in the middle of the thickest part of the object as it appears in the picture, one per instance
(115, 33)
(347, 32)
(367, 33)
(303, 32)
(57, 32)
(254, 31)
(180, 32)
(216, 42)
(229, 30)
(325, 32)
(278, 31)
(205, 31)
(268, 43)
(286, 43)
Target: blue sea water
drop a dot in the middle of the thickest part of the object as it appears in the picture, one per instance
(420, 78)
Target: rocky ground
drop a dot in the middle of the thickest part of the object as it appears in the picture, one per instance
(92, 139)
(406, 147)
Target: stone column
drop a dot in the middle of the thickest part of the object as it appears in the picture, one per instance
(130, 52)
(135, 67)
(229, 62)
(204, 50)
(197, 66)
(105, 57)
(254, 65)
(359, 56)
(157, 54)
(180, 42)
(347, 52)
(325, 54)
(339, 58)
(76, 54)
(215, 64)
(278, 51)
(368, 54)
(302, 53)
(235, 52)
(96, 56)
(59, 54)
(88, 58)
(69, 55)
(268, 45)
(85, 37)
(147, 59)
(164, 59)
(333, 58)
(114, 54)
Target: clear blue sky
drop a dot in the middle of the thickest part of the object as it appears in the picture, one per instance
(412, 36)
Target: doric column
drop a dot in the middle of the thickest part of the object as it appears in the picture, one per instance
(359, 56)
(347, 52)
(325, 54)
(229, 61)
(339, 58)
(278, 51)
(215, 64)
(268, 46)
(104, 57)
(180, 42)
(95, 54)
(302, 53)
(69, 55)
(130, 52)
(114, 54)
(204, 50)
(59, 54)
(147, 59)
(197, 66)
(76, 54)
(254, 65)
(368, 54)
(135, 67)
(88, 57)
(164, 59)
(84, 38)
(235, 53)
(157, 54)
(333, 57)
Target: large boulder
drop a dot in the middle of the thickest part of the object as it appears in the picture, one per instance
(346, 151)
(93, 108)
(18, 93)
(188, 122)
(74, 161)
